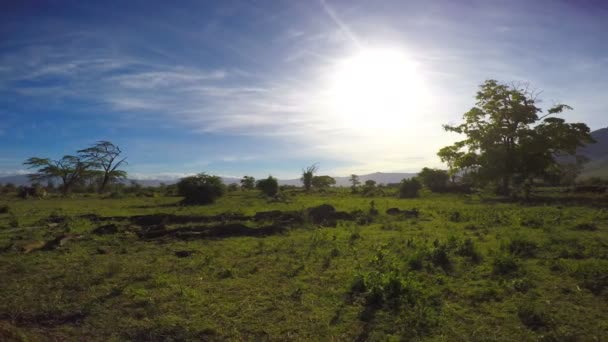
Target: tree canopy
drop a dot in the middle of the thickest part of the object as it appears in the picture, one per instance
(321, 182)
(105, 156)
(507, 140)
(70, 169)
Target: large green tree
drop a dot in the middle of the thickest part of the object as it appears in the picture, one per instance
(106, 157)
(509, 139)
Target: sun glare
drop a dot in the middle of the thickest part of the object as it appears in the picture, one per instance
(375, 89)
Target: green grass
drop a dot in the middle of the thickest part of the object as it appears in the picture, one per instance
(464, 270)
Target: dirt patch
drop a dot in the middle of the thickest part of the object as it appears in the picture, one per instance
(326, 215)
(279, 217)
(106, 229)
(44, 320)
(414, 213)
(208, 232)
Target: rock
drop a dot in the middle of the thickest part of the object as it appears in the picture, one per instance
(106, 229)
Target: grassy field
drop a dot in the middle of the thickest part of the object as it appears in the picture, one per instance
(464, 269)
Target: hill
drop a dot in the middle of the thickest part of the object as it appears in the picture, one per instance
(598, 155)
(378, 177)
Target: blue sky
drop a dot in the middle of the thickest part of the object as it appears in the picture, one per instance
(241, 87)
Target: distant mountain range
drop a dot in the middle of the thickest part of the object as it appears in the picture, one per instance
(379, 177)
(597, 167)
(598, 155)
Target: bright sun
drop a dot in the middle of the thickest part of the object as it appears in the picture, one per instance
(375, 89)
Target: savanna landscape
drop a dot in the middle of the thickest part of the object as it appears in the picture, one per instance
(212, 172)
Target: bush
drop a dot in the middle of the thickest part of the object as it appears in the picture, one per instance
(269, 186)
(200, 189)
(435, 180)
(409, 188)
(522, 248)
(4, 209)
(504, 264)
(468, 249)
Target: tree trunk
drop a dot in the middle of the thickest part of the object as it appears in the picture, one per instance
(104, 183)
(505, 185)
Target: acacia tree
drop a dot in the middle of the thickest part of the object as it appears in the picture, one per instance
(307, 175)
(105, 156)
(506, 139)
(70, 169)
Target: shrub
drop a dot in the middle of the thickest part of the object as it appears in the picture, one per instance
(533, 316)
(4, 209)
(440, 257)
(593, 275)
(504, 264)
(268, 186)
(200, 189)
(522, 248)
(468, 249)
(409, 188)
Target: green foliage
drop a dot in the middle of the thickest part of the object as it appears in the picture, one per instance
(355, 182)
(247, 183)
(200, 189)
(434, 179)
(70, 169)
(307, 176)
(469, 250)
(504, 264)
(507, 140)
(593, 275)
(522, 247)
(268, 186)
(354, 281)
(105, 157)
(533, 315)
(409, 188)
(322, 182)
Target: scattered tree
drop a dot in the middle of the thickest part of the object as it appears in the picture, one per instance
(269, 186)
(105, 156)
(200, 189)
(409, 188)
(434, 179)
(233, 187)
(322, 182)
(247, 183)
(355, 182)
(307, 175)
(70, 169)
(506, 139)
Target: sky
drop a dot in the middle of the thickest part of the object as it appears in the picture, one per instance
(269, 87)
